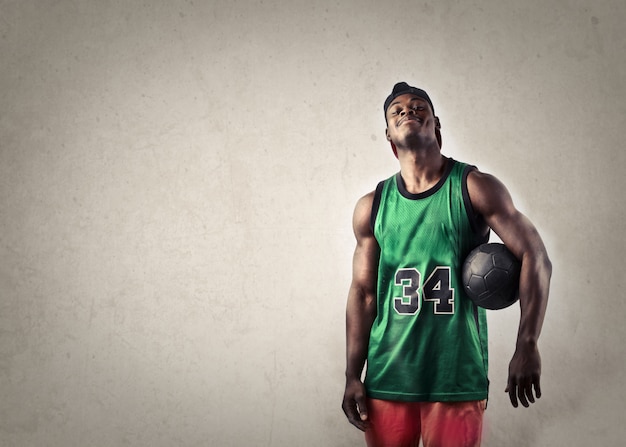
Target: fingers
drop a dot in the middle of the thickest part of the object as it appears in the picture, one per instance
(511, 388)
(357, 418)
(537, 388)
(521, 390)
(363, 416)
(356, 412)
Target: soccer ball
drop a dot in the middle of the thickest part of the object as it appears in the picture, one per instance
(491, 276)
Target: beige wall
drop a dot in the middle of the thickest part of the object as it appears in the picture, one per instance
(177, 180)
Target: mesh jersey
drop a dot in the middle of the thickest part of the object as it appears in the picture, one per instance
(428, 341)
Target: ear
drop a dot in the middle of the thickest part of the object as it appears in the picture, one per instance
(393, 146)
(438, 131)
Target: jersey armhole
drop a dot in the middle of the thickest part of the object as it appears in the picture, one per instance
(476, 221)
(376, 204)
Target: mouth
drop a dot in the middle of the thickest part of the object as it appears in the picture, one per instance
(408, 119)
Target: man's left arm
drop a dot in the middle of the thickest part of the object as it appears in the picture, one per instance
(493, 202)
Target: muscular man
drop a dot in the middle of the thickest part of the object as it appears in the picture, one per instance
(408, 319)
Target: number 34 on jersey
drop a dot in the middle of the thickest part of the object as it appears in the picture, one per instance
(436, 289)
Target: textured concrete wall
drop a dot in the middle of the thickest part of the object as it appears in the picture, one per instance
(177, 180)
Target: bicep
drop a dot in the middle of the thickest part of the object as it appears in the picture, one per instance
(493, 202)
(366, 253)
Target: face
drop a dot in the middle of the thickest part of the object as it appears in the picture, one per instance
(410, 120)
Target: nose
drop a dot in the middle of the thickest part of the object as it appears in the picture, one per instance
(407, 111)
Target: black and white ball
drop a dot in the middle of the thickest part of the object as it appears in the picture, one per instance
(491, 276)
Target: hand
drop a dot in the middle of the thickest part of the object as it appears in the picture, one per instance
(524, 375)
(354, 405)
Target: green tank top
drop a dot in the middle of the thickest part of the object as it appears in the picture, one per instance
(428, 341)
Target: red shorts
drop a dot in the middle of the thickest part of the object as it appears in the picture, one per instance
(439, 424)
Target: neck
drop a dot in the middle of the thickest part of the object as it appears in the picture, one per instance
(421, 170)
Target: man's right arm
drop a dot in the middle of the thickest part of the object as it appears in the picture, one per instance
(360, 311)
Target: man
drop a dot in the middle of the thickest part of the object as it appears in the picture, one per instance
(407, 314)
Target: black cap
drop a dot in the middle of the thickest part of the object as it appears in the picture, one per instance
(402, 88)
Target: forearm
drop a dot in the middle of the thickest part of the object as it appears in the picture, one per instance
(534, 288)
(360, 314)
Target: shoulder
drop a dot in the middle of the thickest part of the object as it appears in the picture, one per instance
(367, 207)
(481, 180)
(487, 194)
(362, 215)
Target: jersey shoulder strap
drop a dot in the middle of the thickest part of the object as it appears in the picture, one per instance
(476, 220)
(376, 204)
